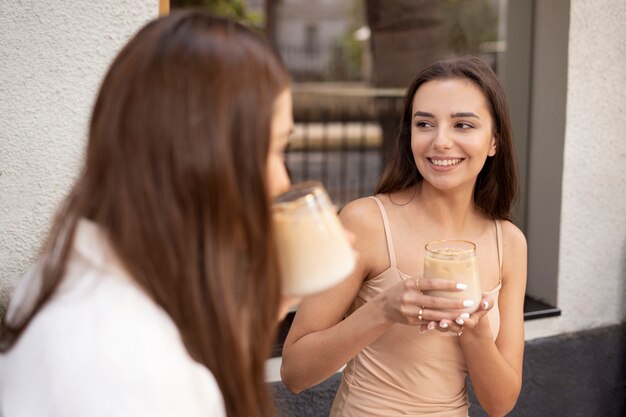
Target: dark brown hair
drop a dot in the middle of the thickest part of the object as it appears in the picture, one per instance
(175, 175)
(495, 191)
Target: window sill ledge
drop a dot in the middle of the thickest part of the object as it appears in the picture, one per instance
(535, 309)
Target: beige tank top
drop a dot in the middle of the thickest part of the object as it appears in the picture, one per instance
(405, 372)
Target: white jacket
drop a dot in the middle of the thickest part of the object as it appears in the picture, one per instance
(101, 347)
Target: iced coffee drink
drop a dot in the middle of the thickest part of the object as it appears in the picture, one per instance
(454, 260)
(313, 249)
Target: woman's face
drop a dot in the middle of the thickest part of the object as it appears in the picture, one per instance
(282, 126)
(451, 132)
(277, 178)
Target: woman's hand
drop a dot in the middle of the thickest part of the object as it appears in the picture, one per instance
(464, 322)
(406, 303)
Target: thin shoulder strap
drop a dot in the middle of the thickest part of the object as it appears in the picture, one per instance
(390, 249)
(499, 245)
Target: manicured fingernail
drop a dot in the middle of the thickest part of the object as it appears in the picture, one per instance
(468, 303)
(461, 286)
(422, 329)
(443, 325)
(485, 304)
(464, 316)
(432, 325)
(460, 322)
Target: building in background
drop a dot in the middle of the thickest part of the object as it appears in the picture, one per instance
(319, 40)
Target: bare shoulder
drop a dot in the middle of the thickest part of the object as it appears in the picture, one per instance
(363, 219)
(515, 256)
(361, 216)
(513, 238)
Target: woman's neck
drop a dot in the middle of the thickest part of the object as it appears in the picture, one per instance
(452, 209)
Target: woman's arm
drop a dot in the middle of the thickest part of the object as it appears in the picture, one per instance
(321, 340)
(496, 368)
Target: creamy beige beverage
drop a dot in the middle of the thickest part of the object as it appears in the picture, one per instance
(313, 249)
(454, 260)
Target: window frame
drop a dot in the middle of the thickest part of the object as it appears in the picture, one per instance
(535, 79)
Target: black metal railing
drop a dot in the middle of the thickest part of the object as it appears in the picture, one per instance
(340, 139)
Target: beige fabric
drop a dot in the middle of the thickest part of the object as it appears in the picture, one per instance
(406, 372)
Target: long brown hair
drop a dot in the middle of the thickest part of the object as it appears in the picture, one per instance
(175, 175)
(495, 191)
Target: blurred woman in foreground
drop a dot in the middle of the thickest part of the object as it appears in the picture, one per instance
(158, 292)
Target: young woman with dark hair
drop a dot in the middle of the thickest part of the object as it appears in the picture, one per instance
(452, 176)
(158, 292)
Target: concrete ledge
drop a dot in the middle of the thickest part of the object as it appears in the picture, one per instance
(314, 402)
(581, 374)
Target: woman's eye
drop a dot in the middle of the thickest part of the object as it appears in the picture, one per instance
(423, 124)
(463, 125)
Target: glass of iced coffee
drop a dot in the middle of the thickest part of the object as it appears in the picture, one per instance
(454, 260)
(313, 249)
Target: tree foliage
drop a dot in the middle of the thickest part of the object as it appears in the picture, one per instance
(232, 9)
(467, 24)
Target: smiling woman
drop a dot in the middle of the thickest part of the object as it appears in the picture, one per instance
(451, 177)
(472, 76)
(446, 138)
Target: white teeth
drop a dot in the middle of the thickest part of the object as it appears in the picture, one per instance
(445, 162)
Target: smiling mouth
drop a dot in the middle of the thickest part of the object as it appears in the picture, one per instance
(445, 162)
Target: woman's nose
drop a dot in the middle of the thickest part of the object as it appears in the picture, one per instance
(442, 140)
(283, 182)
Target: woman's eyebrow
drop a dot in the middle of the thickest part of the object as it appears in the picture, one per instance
(423, 114)
(453, 115)
(464, 114)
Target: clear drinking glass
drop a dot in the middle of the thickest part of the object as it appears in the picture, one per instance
(454, 260)
(313, 249)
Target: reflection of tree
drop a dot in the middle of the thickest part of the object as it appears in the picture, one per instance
(466, 24)
(407, 35)
(405, 38)
(233, 9)
(347, 54)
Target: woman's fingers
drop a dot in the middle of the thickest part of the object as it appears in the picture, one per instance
(429, 284)
(443, 326)
(421, 308)
(463, 321)
(433, 302)
(431, 312)
(425, 314)
(487, 302)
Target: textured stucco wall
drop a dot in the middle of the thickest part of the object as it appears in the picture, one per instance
(592, 255)
(53, 55)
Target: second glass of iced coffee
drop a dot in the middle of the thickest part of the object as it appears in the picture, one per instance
(313, 249)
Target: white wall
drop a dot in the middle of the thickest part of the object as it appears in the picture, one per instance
(53, 55)
(592, 253)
